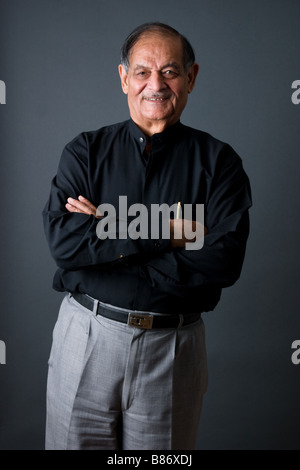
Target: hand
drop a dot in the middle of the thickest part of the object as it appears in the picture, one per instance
(82, 206)
(185, 231)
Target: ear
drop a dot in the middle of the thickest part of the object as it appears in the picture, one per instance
(124, 79)
(192, 75)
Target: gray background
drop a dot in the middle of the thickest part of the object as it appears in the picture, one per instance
(59, 61)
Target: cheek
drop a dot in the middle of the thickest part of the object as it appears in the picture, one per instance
(135, 89)
(179, 97)
(179, 91)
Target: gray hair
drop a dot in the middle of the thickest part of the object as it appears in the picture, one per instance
(132, 39)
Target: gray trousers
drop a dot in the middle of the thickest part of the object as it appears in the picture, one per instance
(114, 387)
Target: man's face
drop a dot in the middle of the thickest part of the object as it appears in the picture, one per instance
(156, 83)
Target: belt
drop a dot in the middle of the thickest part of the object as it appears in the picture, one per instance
(136, 319)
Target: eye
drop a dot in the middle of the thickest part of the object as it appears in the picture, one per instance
(170, 74)
(142, 74)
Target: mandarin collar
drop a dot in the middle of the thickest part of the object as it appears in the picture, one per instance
(160, 138)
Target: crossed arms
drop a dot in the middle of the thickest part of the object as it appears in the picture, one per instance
(183, 228)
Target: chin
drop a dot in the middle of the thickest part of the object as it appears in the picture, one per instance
(158, 116)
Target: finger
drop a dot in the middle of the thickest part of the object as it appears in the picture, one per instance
(71, 208)
(93, 208)
(85, 201)
(80, 206)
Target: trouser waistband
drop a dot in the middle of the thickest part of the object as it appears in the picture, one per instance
(137, 319)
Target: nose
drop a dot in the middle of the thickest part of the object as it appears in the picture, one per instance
(156, 82)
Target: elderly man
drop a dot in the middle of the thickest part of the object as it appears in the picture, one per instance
(128, 368)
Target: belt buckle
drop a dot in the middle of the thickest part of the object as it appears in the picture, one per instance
(144, 322)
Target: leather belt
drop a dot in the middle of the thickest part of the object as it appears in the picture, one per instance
(137, 319)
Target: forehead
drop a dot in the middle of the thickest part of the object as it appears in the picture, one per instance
(157, 48)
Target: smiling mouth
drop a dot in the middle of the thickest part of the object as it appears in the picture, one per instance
(155, 99)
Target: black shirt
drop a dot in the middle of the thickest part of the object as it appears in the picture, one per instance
(184, 165)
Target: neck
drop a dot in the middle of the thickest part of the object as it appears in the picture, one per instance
(153, 127)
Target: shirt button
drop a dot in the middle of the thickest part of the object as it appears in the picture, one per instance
(142, 140)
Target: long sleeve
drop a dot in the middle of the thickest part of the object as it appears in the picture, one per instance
(219, 262)
(72, 237)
